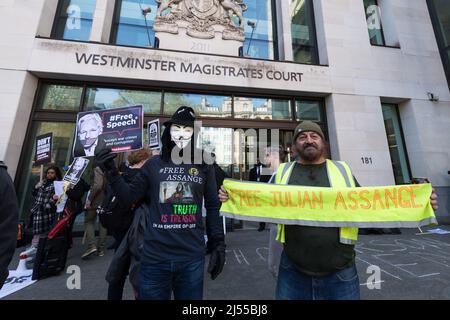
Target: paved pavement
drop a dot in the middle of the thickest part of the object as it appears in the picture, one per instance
(412, 266)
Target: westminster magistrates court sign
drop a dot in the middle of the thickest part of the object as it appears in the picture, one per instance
(100, 62)
(186, 67)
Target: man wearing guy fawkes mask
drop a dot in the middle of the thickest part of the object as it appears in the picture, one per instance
(173, 252)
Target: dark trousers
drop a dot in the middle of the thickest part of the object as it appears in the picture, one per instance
(184, 279)
(115, 289)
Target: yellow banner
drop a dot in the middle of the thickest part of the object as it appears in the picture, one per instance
(406, 206)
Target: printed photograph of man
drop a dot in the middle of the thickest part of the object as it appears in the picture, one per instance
(153, 136)
(89, 130)
(76, 170)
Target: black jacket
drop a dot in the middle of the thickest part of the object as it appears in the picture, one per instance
(120, 220)
(136, 191)
(127, 217)
(9, 221)
(128, 255)
(75, 197)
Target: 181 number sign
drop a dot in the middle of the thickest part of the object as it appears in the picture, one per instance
(366, 160)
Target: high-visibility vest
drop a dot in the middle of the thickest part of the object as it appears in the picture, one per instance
(340, 176)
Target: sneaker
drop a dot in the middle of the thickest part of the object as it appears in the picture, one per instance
(31, 251)
(100, 253)
(29, 255)
(89, 252)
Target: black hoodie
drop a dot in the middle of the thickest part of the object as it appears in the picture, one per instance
(174, 195)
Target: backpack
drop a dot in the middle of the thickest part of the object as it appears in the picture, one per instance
(112, 214)
(108, 210)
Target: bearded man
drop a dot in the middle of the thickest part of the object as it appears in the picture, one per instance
(317, 263)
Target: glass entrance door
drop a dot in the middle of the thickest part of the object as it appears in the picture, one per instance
(237, 151)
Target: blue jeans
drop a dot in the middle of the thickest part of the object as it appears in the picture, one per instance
(185, 279)
(294, 285)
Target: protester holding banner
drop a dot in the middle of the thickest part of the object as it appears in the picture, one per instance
(9, 219)
(318, 262)
(43, 209)
(173, 252)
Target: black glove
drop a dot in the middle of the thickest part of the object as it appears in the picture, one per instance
(104, 159)
(217, 259)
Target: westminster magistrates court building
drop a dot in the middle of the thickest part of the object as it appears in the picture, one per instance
(374, 73)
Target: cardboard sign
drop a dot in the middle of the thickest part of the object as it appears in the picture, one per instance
(76, 170)
(154, 130)
(43, 152)
(119, 129)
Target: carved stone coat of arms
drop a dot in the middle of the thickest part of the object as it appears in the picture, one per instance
(202, 18)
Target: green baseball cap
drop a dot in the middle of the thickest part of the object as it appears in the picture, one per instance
(305, 126)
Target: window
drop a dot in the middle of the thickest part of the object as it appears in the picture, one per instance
(132, 27)
(108, 98)
(203, 105)
(373, 18)
(74, 20)
(258, 29)
(262, 108)
(304, 41)
(396, 144)
(60, 97)
(312, 110)
(440, 16)
(309, 110)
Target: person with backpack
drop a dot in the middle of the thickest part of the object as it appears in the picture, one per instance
(118, 220)
(95, 198)
(173, 256)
